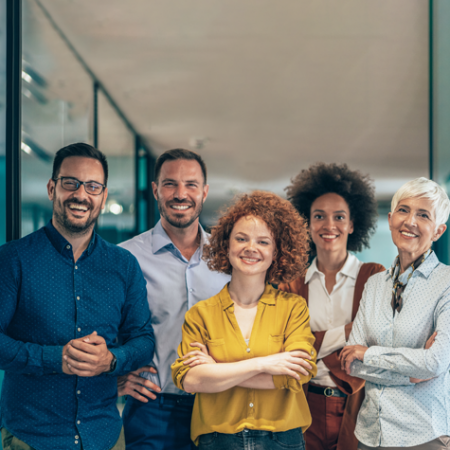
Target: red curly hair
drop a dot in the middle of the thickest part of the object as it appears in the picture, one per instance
(288, 228)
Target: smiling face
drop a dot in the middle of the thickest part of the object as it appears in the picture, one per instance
(180, 192)
(75, 212)
(413, 228)
(252, 247)
(330, 224)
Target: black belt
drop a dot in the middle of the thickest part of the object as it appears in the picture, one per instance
(327, 391)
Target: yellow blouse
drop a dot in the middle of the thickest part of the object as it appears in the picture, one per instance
(281, 324)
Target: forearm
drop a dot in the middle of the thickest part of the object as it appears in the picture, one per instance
(212, 378)
(260, 381)
(415, 363)
(378, 376)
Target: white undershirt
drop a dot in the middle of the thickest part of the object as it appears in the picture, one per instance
(331, 312)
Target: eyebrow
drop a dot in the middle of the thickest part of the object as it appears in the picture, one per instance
(178, 181)
(259, 237)
(334, 212)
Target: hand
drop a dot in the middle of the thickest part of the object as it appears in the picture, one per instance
(349, 354)
(134, 385)
(428, 344)
(198, 357)
(286, 363)
(348, 330)
(87, 356)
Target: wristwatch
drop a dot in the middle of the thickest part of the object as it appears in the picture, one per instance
(113, 365)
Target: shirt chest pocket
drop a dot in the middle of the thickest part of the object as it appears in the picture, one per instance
(276, 343)
(216, 349)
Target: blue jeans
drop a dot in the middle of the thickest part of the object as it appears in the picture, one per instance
(253, 440)
(161, 424)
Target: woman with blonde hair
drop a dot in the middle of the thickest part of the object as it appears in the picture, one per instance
(249, 387)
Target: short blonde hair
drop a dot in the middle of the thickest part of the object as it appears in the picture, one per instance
(424, 188)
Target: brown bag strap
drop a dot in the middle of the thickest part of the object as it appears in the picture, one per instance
(365, 272)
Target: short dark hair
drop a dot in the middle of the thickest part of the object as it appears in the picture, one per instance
(354, 187)
(178, 153)
(79, 149)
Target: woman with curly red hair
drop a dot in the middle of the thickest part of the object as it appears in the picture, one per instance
(247, 351)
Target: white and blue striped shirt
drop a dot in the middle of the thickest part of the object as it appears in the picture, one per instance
(396, 412)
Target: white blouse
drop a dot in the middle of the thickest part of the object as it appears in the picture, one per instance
(331, 312)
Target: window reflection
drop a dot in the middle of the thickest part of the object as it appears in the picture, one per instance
(56, 110)
(117, 142)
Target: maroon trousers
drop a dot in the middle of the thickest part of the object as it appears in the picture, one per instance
(326, 415)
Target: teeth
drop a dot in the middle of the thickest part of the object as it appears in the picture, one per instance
(250, 259)
(180, 208)
(78, 207)
(407, 234)
(329, 236)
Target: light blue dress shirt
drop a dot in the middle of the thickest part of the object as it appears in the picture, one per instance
(396, 412)
(174, 285)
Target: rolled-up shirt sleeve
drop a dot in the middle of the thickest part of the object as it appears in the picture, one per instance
(298, 336)
(191, 332)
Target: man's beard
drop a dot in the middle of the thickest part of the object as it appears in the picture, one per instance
(182, 222)
(65, 222)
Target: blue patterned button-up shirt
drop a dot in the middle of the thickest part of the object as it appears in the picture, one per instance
(396, 412)
(46, 300)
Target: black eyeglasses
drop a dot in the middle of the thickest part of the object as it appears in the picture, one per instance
(72, 184)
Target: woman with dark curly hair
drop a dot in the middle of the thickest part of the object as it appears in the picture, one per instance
(253, 347)
(340, 208)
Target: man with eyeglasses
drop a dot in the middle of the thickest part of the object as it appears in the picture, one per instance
(67, 299)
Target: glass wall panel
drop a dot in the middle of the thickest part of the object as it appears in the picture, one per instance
(56, 109)
(117, 222)
(2, 131)
(441, 108)
(2, 121)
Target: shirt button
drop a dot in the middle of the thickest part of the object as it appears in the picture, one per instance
(76, 267)
(78, 422)
(77, 437)
(78, 392)
(78, 297)
(248, 350)
(68, 247)
(79, 329)
(76, 442)
(251, 405)
(392, 366)
(312, 352)
(191, 290)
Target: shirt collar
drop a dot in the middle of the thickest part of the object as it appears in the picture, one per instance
(268, 296)
(349, 269)
(162, 240)
(61, 244)
(431, 261)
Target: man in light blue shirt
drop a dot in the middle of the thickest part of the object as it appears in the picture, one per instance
(170, 256)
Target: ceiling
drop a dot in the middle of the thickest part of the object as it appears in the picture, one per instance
(262, 89)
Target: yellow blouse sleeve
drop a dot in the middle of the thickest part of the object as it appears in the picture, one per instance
(298, 336)
(191, 332)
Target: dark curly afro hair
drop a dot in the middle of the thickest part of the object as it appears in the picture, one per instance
(354, 187)
(288, 228)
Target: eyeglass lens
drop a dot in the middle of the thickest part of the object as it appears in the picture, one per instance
(91, 187)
